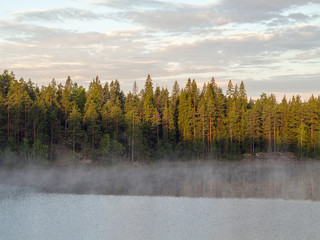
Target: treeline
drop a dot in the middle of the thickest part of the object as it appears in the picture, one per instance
(103, 123)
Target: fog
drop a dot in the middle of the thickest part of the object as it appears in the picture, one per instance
(225, 179)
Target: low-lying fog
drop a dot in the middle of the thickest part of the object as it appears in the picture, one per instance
(243, 179)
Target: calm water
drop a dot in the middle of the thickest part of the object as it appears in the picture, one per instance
(26, 214)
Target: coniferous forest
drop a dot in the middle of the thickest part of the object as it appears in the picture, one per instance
(104, 124)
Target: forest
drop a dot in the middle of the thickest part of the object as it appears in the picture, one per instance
(104, 124)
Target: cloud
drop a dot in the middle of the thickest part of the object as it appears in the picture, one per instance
(298, 16)
(237, 49)
(126, 4)
(57, 15)
(255, 7)
(289, 85)
(169, 17)
(179, 18)
(247, 11)
(227, 39)
(44, 53)
(56, 37)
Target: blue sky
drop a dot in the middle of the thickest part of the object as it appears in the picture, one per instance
(273, 46)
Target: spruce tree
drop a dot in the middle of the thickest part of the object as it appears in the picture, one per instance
(65, 102)
(74, 128)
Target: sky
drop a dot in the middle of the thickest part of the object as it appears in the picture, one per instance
(272, 46)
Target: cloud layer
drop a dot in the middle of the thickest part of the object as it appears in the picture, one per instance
(57, 15)
(273, 43)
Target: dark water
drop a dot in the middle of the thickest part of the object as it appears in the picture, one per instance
(26, 214)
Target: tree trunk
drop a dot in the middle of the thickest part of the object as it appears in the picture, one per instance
(269, 135)
(312, 142)
(117, 126)
(301, 139)
(210, 137)
(204, 149)
(167, 124)
(132, 147)
(8, 121)
(203, 129)
(73, 139)
(253, 120)
(65, 124)
(25, 120)
(51, 141)
(274, 137)
(239, 135)
(158, 137)
(194, 118)
(92, 143)
(157, 125)
(18, 126)
(34, 132)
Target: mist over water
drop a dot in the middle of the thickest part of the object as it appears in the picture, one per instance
(241, 179)
(181, 200)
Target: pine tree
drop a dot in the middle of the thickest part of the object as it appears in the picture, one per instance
(18, 101)
(242, 108)
(3, 121)
(148, 105)
(74, 127)
(5, 81)
(284, 127)
(51, 103)
(38, 124)
(232, 117)
(157, 117)
(106, 92)
(184, 119)
(312, 121)
(174, 114)
(211, 100)
(115, 108)
(202, 115)
(91, 119)
(132, 120)
(78, 96)
(65, 102)
(95, 93)
(220, 116)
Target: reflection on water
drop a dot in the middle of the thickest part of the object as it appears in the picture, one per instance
(25, 214)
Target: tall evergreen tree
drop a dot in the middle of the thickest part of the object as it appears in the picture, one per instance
(91, 119)
(65, 102)
(148, 104)
(74, 128)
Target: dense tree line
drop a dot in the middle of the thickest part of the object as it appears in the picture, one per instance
(103, 123)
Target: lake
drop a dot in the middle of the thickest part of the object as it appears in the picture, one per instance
(29, 214)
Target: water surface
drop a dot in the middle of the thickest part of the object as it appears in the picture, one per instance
(27, 214)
